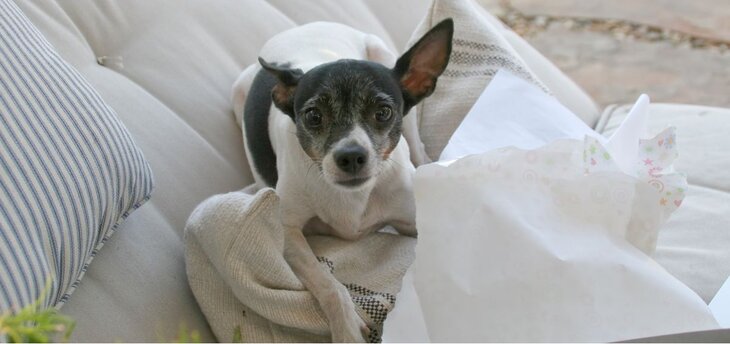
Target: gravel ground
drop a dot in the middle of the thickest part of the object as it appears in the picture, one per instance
(615, 60)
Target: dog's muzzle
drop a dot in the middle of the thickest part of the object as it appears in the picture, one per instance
(351, 159)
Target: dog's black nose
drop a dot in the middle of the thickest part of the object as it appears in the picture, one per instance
(351, 159)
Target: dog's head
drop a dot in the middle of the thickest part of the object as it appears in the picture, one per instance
(348, 113)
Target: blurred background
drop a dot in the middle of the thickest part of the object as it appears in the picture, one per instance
(673, 50)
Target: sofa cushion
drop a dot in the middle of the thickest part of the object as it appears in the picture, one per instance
(71, 172)
(694, 245)
(356, 14)
(478, 52)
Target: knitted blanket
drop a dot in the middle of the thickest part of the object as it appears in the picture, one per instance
(235, 265)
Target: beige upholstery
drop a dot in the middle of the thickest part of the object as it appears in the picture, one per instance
(694, 245)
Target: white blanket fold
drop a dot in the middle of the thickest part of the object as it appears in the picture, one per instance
(236, 269)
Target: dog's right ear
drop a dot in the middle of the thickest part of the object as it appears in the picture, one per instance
(283, 92)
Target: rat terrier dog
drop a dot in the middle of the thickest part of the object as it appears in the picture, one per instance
(332, 145)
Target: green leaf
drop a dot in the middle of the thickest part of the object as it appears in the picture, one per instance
(33, 324)
(237, 337)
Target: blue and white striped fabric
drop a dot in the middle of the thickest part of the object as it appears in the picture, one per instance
(69, 170)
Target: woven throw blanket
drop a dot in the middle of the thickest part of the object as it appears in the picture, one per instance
(235, 264)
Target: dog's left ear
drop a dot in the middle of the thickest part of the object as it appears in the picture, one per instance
(423, 63)
(283, 92)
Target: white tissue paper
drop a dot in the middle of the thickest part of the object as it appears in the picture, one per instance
(533, 227)
(720, 305)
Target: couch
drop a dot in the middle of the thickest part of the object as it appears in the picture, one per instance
(167, 67)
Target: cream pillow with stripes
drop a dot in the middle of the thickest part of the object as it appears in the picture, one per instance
(479, 50)
(69, 170)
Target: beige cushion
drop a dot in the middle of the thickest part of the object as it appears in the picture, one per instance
(399, 18)
(694, 245)
(478, 52)
(482, 45)
(353, 13)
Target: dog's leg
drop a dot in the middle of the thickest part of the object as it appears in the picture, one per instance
(345, 324)
(415, 145)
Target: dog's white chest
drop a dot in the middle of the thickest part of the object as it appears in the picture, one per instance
(350, 217)
(345, 214)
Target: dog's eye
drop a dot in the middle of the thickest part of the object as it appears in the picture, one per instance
(384, 114)
(313, 118)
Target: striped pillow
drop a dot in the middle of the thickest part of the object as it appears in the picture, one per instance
(479, 51)
(69, 170)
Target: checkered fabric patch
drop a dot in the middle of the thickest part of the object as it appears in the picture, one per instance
(375, 304)
(330, 265)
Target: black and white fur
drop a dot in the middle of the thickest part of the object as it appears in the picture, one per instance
(333, 145)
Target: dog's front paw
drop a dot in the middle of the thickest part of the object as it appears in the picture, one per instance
(352, 330)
